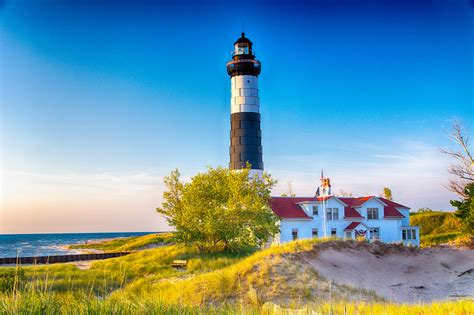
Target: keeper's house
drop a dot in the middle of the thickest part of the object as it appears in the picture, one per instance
(371, 217)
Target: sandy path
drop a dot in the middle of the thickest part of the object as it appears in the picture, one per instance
(425, 275)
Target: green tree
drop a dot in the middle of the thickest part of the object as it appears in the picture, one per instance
(465, 208)
(220, 209)
(387, 193)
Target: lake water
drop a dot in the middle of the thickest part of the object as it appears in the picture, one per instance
(13, 245)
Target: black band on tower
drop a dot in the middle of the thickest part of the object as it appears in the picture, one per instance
(245, 141)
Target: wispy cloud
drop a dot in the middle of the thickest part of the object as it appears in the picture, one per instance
(72, 201)
(415, 171)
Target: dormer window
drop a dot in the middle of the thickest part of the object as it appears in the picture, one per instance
(372, 213)
(332, 214)
(315, 210)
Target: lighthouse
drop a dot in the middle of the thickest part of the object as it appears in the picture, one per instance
(245, 133)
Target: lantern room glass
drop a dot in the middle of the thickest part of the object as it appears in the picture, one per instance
(242, 49)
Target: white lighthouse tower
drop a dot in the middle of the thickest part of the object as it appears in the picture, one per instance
(245, 134)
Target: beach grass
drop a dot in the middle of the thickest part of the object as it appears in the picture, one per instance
(125, 244)
(68, 303)
(437, 227)
(105, 276)
(269, 281)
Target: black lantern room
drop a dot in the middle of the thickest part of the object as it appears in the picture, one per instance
(243, 59)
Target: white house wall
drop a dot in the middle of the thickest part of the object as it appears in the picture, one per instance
(406, 214)
(389, 229)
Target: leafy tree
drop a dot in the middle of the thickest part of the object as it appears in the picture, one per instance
(220, 209)
(465, 208)
(387, 193)
(462, 169)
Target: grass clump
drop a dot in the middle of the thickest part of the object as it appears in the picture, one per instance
(437, 227)
(437, 239)
(277, 280)
(275, 274)
(128, 243)
(105, 276)
(436, 308)
(11, 279)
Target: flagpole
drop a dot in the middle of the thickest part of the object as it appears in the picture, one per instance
(324, 217)
(324, 206)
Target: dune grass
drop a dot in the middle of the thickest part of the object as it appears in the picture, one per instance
(435, 222)
(105, 276)
(437, 227)
(54, 303)
(264, 282)
(269, 272)
(128, 243)
(443, 308)
(439, 238)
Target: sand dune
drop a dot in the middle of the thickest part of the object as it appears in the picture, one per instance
(400, 275)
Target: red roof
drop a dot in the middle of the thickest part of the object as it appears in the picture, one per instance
(357, 202)
(287, 207)
(390, 211)
(351, 226)
(349, 211)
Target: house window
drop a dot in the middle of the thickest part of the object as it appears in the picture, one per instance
(406, 234)
(409, 234)
(332, 214)
(333, 232)
(294, 234)
(348, 234)
(374, 233)
(314, 233)
(372, 213)
(315, 210)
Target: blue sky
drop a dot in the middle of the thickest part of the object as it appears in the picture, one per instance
(99, 100)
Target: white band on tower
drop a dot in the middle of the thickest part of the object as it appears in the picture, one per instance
(244, 94)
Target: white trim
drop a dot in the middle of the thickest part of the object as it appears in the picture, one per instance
(402, 208)
(373, 197)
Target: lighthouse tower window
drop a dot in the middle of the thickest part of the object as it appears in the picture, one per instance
(241, 49)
